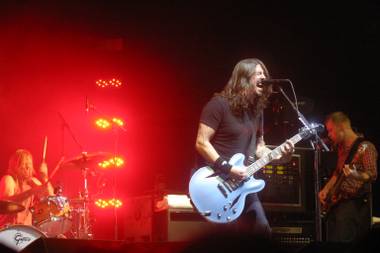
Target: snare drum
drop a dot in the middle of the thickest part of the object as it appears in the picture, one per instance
(17, 237)
(52, 215)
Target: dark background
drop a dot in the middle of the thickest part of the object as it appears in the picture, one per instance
(172, 56)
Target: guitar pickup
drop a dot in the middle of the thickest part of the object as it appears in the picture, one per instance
(222, 190)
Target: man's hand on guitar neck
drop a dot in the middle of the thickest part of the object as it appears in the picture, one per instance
(287, 151)
(322, 196)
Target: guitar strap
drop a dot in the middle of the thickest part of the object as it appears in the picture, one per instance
(251, 150)
(366, 188)
(353, 150)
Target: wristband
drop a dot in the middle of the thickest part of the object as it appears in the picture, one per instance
(222, 165)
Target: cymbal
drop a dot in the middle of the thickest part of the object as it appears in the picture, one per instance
(86, 160)
(9, 207)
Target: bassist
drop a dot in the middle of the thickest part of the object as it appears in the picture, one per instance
(347, 195)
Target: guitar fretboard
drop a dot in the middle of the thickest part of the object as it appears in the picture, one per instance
(256, 166)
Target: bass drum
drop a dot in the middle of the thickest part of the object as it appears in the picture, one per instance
(18, 237)
(52, 215)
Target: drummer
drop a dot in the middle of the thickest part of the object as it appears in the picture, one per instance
(21, 185)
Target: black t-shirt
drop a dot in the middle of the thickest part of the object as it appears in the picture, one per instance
(232, 134)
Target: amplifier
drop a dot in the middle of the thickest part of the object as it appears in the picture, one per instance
(289, 186)
(138, 219)
(295, 235)
(292, 229)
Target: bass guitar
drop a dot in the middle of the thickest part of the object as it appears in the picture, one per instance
(334, 195)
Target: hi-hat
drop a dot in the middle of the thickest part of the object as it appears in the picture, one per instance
(79, 200)
(86, 160)
(9, 207)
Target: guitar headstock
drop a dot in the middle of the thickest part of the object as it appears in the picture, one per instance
(314, 129)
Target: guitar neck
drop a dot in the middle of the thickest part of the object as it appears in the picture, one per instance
(256, 166)
(338, 182)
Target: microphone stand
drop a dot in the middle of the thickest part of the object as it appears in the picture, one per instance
(66, 125)
(82, 227)
(116, 148)
(317, 150)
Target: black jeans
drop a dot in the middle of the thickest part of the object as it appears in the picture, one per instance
(349, 221)
(253, 219)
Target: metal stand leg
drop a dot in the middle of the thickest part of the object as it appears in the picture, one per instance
(83, 229)
(318, 224)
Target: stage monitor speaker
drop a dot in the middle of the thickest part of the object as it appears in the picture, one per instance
(179, 221)
(169, 219)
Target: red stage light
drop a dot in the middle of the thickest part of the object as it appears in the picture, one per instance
(108, 203)
(108, 83)
(105, 123)
(102, 123)
(115, 162)
(118, 121)
(101, 203)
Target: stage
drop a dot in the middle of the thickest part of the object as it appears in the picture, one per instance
(216, 243)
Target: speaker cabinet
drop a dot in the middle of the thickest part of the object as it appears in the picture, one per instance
(138, 219)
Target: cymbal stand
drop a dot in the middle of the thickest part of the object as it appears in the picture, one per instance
(84, 229)
(116, 129)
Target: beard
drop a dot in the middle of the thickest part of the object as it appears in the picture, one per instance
(246, 100)
(249, 97)
(253, 101)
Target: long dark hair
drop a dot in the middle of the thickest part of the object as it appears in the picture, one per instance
(239, 100)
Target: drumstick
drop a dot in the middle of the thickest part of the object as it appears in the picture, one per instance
(56, 167)
(44, 151)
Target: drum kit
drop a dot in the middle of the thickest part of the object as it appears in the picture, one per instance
(55, 216)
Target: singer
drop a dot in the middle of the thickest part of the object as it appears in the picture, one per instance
(232, 122)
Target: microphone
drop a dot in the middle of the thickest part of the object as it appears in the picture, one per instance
(273, 81)
(317, 126)
(87, 105)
